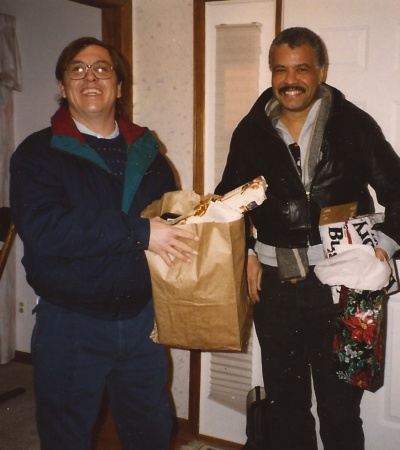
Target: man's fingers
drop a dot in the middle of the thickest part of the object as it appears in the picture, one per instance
(185, 234)
(253, 293)
(381, 254)
(168, 261)
(182, 247)
(254, 273)
(171, 241)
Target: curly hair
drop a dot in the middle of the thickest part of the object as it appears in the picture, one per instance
(298, 36)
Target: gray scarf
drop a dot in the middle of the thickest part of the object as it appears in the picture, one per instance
(293, 263)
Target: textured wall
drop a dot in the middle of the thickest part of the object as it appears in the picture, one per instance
(163, 101)
(163, 77)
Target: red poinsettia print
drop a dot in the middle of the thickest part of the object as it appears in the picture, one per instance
(363, 327)
(359, 344)
(337, 343)
(361, 379)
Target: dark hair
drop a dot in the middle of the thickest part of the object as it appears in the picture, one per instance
(72, 49)
(297, 36)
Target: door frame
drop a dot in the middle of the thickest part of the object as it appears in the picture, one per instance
(116, 25)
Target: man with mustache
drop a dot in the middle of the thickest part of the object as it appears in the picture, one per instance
(77, 191)
(315, 149)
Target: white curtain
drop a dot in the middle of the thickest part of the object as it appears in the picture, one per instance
(10, 80)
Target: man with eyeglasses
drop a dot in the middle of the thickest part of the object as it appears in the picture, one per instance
(315, 150)
(77, 191)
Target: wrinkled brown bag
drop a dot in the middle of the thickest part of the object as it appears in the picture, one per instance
(201, 305)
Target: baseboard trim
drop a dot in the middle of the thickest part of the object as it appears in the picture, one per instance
(23, 357)
(184, 431)
(219, 442)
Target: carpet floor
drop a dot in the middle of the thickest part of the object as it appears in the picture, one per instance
(17, 413)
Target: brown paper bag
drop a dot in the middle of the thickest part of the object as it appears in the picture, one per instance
(202, 305)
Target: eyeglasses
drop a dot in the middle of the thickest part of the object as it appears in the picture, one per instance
(101, 70)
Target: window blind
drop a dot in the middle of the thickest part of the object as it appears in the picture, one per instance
(238, 50)
(231, 378)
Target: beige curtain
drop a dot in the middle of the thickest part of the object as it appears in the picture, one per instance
(10, 80)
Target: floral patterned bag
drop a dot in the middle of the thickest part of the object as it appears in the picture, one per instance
(359, 344)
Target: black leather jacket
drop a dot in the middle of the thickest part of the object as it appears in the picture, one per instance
(354, 154)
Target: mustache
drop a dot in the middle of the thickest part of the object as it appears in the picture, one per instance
(292, 87)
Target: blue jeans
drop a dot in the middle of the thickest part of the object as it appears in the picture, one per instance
(295, 328)
(75, 357)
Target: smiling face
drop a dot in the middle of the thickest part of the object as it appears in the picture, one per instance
(295, 78)
(90, 100)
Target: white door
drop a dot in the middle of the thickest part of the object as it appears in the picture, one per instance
(225, 418)
(363, 42)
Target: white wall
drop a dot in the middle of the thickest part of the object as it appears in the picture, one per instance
(44, 28)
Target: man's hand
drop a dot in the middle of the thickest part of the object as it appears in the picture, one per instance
(381, 254)
(254, 273)
(165, 241)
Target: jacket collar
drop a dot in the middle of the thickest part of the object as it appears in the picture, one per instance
(63, 125)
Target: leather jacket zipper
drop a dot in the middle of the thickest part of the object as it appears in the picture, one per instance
(308, 194)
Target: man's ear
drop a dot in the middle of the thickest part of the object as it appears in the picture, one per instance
(323, 74)
(62, 89)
